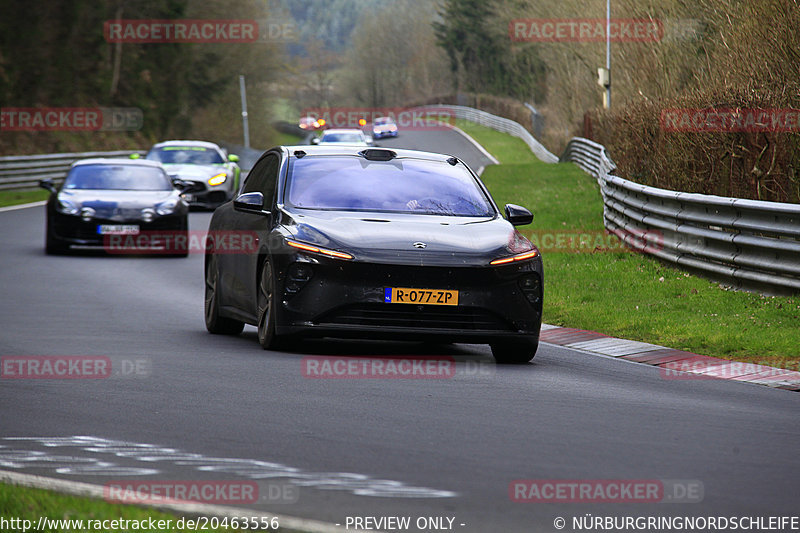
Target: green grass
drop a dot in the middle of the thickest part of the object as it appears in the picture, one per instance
(283, 139)
(629, 295)
(28, 503)
(282, 109)
(22, 197)
(504, 147)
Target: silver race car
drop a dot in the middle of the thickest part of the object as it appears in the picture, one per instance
(212, 173)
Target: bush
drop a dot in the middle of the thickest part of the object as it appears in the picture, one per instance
(752, 51)
(759, 166)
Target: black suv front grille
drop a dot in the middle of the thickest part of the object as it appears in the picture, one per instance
(416, 316)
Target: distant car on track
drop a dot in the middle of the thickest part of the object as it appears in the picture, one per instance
(342, 136)
(214, 175)
(371, 242)
(384, 127)
(104, 197)
(311, 123)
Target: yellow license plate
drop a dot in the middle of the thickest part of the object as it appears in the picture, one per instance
(404, 295)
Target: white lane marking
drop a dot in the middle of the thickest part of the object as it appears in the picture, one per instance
(67, 464)
(598, 354)
(77, 488)
(791, 383)
(545, 327)
(631, 347)
(596, 345)
(358, 484)
(22, 206)
(615, 347)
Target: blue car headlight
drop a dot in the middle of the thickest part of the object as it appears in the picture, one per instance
(68, 207)
(165, 208)
(87, 214)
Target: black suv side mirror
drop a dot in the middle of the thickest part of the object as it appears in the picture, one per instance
(47, 183)
(250, 202)
(518, 215)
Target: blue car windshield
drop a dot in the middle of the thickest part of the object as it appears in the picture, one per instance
(118, 177)
(342, 138)
(186, 155)
(346, 183)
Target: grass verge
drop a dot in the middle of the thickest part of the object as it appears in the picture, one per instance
(279, 138)
(29, 504)
(505, 148)
(22, 197)
(629, 295)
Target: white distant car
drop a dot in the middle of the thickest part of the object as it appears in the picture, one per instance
(211, 171)
(384, 127)
(348, 136)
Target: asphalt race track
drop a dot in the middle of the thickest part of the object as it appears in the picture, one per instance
(182, 405)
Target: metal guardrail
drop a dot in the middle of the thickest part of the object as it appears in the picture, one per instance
(589, 155)
(25, 171)
(500, 124)
(748, 241)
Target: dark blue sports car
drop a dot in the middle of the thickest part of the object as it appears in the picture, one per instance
(103, 200)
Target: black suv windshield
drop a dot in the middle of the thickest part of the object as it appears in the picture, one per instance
(348, 183)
